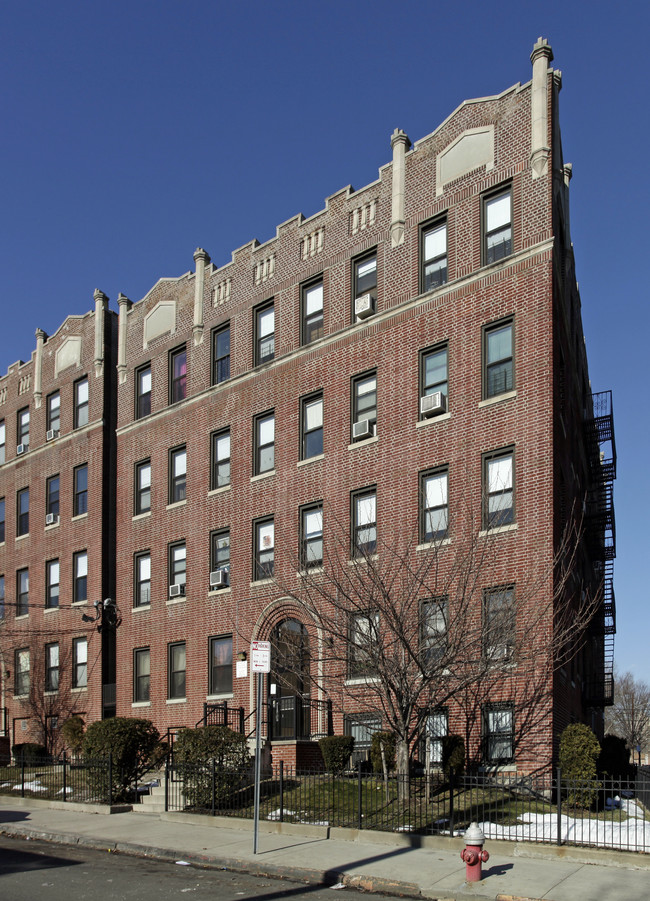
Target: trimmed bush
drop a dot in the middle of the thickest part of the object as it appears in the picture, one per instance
(336, 751)
(194, 751)
(614, 760)
(135, 747)
(387, 739)
(73, 733)
(453, 755)
(579, 750)
(30, 751)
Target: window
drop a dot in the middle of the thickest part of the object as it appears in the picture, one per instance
(221, 354)
(264, 537)
(264, 443)
(220, 459)
(143, 391)
(498, 482)
(434, 517)
(220, 676)
(433, 254)
(177, 375)
(81, 403)
(437, 728)
(80, 498)
(53, 418)
(311, 299)
(361, 726)
(312, 426)
(142, 487)
(22, 512)
(3, 441)
(79, 663)
(497, 226)
(498, 726)
(364, 406)
(79, 577)
(23, 429)
(364, 279)
(141, 674)
(2, 520)
(177, 475)
(311, 536)
(264, 334)
(364, 523)
(142, 579)
(498, 370)
(220, 551)
(499, 623)
(176, 669)
(364, 642)
(433, 636)
(52, 497)
(21, 671)
(433, 373)
(22, 592)
(178, 565)
(2, 597)
(52, 583)
(51, 667)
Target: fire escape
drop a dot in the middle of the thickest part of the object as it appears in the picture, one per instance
(601, 537)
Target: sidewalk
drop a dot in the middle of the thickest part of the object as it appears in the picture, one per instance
(429, 867)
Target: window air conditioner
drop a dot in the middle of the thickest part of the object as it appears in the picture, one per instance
(364, 306)
(51, 434)
(176, 591)
(51, 518)
(432, 404)
(361, 429)
(219, 578)
(20, 449)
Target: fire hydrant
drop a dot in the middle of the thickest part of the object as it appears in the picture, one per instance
(473, 853)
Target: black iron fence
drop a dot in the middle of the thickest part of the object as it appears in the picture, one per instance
(59, 779)
(608, 813)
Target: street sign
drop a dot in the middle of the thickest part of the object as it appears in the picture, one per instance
(260, 656)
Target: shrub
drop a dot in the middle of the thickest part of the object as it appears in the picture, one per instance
(73, 733)
(579, 750)
(30, 751)
(614, 760)
(387, 739)
(336, 751)
(453, 755)
(194, 751)
(135, 747)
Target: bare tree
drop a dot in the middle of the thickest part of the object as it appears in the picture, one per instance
(629, 717)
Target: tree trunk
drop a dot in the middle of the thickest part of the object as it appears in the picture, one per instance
(403, 769)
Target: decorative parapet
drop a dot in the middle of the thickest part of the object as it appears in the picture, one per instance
(24, 383)
(221, 292)
(312, 243)
(3, 395)
(363, 217)
(265, 269)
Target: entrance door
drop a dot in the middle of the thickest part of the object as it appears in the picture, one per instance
(289, 701)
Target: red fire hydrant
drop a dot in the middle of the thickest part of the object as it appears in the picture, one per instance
(473, 853)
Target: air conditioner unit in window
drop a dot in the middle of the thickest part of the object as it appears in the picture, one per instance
(361, 429)
(51, 518)
(364, 306)
(20, 449)
(432, 404)
(176, 591)
(219, 578)
(51, 434)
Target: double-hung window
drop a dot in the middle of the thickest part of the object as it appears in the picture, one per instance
(437, 729)
(311, 536)
(143, 391)
(220, 676)
(80, 496)
(497, 226)
(364, 522)
(141, 675)
(52, 491)
(364, 406)
(364, 642)
(142, 579)
(79, 577)
(23, 430)
(177, 567)
(22, 512)
(79, 663)
(312, 426)
(176, 666)
(22, 592)
(264, 539)
(312, 311)
(433, 631)
(52, 667)
(264, 443)
(81, 403)
(142, 487)
(498, 489)
(498, 359)
(364, 286)
(264, 333)
(499, 623)
(53, 418)
(498, 732)
(178, 375)
(221, 354)
(52, 583)
(177, 475)
(2, 520)
(21, 671)
(220, 551)
(433, 379)
(220, 459)
(3, 441)
(433, 254)
(434, 506)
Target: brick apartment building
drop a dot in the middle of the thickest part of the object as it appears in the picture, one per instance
(407, 362)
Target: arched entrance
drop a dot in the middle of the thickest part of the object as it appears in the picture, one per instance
(289, 688)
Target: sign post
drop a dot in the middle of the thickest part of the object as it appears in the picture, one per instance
(260, 664)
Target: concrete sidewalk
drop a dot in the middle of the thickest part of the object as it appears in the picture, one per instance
(429, 866)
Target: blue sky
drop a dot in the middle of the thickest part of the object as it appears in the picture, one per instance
(134, 132)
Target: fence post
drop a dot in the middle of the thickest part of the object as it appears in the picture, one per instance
(22, 774)
(359, 794)
(241, 720)
(110, 779)
(559, 806)
(451, 801)
(282, 791)
(166, 784)
(65, 781)
(214, 785)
